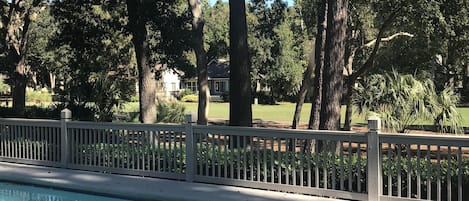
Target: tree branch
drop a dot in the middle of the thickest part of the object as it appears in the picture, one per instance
(369, 63)
(389, 38)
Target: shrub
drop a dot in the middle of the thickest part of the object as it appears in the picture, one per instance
(190, 98)
(170, 112)
(185, 92)
(264, 97)
(33, 112)
(446, 112)
(401, 100)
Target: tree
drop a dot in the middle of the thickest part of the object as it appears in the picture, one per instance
(307, 9)
(319, 55)
(201, 56)
(240, 83)
(18, 21)
(333, 64)
(217, 30)
(276, 36)
(401, 100)
(354, 74)
(97, 74)
(137, 13)
(46, 58)
(285, 75)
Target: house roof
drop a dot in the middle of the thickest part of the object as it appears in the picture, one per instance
(218, 69)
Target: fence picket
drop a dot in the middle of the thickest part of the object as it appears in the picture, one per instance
(309, 162)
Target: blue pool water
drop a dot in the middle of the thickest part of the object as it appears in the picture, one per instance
(15, 192)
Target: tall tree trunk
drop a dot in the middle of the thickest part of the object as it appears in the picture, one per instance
(333, 65)
(319, 61)
(146, 76)
(305, 86)
(349, 108)
(18, 91)
(240, 79)
(17, 40)
(465, 89)
(201, 56)
(52, 78)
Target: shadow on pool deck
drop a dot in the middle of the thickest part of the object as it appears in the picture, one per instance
(137, 188)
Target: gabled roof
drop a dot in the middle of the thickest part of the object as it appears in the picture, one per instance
(218, 69)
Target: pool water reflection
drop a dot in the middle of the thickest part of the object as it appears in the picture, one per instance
(15, 192)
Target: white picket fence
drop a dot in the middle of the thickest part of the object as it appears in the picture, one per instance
(348, 165)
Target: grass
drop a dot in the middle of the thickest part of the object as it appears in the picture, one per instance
(282, 112)
(465, 116)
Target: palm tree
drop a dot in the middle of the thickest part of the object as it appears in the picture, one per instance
(401, 100)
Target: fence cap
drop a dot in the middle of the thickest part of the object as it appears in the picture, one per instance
(189, 117)
(374, 123)
(66, 114)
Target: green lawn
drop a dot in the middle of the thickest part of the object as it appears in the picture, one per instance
(282, 112)
(465, 115)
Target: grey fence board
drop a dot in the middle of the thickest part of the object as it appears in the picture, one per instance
(338, 164)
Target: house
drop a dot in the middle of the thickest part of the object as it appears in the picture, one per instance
(168, 86)
(218, 78)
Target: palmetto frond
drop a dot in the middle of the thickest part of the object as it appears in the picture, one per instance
(401, 100)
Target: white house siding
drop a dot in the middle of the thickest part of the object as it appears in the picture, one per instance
(169, 84)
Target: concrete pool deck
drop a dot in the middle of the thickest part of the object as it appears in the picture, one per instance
(138, 188)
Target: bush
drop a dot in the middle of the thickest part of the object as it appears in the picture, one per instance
(190, 98)
(265, 98)
(401, 100)
(170, 113)
(32, 112)
(185, 92)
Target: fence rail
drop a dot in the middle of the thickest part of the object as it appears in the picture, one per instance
(348, 165)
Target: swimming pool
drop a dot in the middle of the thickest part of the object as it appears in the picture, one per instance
(16, 192)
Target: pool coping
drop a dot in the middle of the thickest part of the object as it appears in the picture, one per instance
(138, 188)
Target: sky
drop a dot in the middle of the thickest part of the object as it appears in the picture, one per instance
(290, 2)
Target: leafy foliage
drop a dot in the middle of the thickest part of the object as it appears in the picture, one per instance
(185, 92)
(100, 73)
(216, 30)
(276, 47)
(171, 112)
(190, 98)
(401, 100)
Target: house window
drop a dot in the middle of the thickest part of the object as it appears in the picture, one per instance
(191, 86)
(173, 86)
(222, 86)
(219, 86)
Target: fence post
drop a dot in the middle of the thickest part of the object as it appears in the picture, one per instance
(374, 180)
(65, 116)
(190, 155)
